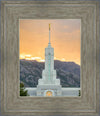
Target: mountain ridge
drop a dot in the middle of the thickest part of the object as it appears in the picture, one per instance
(67, 72)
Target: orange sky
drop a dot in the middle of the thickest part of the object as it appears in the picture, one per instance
(65, 39)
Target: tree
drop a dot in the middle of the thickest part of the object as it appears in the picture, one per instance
(23, 92)
(79, 93)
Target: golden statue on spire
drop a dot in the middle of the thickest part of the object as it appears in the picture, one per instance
(49, 26)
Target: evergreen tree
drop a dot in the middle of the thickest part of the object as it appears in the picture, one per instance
(23, 92)
(79, 93)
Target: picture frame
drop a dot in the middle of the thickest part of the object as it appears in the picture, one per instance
(11, 102)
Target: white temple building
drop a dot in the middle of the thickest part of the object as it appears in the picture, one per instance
(49, 85)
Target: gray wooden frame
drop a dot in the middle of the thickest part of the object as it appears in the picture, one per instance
(11, 102)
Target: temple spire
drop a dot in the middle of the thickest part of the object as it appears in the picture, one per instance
(49, 35)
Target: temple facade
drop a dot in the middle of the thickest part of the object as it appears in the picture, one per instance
(49, 85)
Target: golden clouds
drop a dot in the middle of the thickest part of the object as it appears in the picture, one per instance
(65, 38)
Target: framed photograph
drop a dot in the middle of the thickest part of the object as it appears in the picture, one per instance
(50, 58)
(48, 71)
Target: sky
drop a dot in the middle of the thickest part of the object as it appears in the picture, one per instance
(65, 39)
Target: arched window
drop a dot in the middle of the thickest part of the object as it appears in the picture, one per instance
(49, 93)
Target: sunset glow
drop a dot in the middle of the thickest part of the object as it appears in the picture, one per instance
(65, 39)
(39, 59)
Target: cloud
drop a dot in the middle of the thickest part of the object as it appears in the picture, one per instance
(65, 38)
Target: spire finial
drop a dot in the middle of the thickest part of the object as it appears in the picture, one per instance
(49, 34)
(49, 26)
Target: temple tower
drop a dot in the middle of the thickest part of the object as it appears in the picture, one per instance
(49, 85)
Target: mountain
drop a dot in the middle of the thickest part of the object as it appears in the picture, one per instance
(67, 72)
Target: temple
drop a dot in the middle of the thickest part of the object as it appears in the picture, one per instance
(49, 85)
